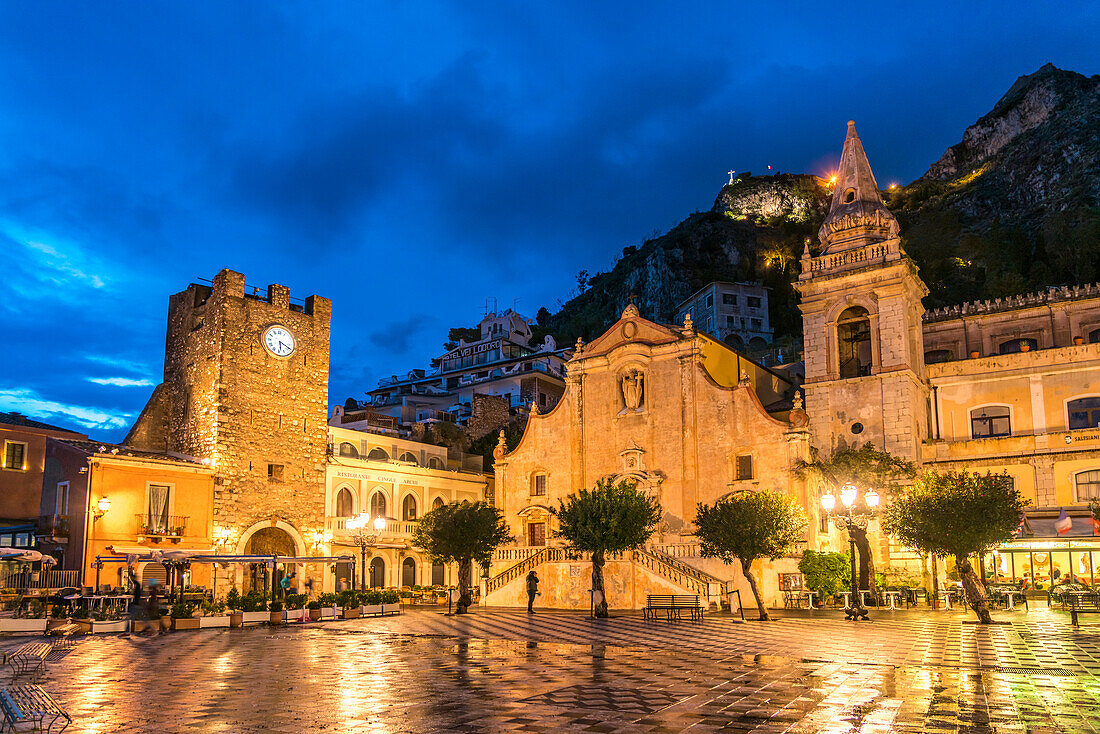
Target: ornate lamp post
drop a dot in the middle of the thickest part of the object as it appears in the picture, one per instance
(848, 496)
(359, 527)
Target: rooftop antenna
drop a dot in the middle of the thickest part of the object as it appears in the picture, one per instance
(489, 310)
(515, 301)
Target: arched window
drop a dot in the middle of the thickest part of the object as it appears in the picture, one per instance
(935, 356)
(436, 463)
(538, 485)
(377, 573)
(853, 335)
(1088, 485)
(1084, 413)
(438, 503)
(378, 505)
(349, 450)
(378, 454)
(408, 572)
(409, 458)
(345, 503)
(408, 508)
(1017, 345)
(990, 421)
(1094, 336)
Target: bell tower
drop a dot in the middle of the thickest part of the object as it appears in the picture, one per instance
(861, 319)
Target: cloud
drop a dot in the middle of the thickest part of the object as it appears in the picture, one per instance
(126, 365)
(396, 337)
(121, 381)
(31, 404)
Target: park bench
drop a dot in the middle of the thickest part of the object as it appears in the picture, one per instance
(63, 635)
(1083, 604)
(29, 658)
(672, 605)
(31, 705)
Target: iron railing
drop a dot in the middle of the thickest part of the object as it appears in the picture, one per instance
(162, 526)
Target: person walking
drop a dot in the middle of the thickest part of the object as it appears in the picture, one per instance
(532, 591)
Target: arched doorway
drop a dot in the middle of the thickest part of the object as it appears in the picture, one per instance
(269, 541)
(408, 572)
(377, 577)
(437, 574)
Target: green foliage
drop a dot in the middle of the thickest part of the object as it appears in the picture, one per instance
(347, 598)
(213, 607)
(254, 601)
(750, 525)
(371, 598)
(865, 467)
(275, 606)
(461, 531)
(464, 333)
(826, 572)
(36, 609)
(955, 513)
(233, 600)
(296, 601)
(390, 597)
(610, 518)
(59, 611)
(328, 599)
(314, 605)
(182, 610)
(484, 446)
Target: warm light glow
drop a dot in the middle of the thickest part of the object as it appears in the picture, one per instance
(828, 501)
(871, 498)
(848, 495)
(379, 523)
(893, 186)
(832, 180)
(358, 522)
(104, 504)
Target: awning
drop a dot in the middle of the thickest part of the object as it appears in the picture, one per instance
(26, 555)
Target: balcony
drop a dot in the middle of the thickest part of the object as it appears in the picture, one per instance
(172, 527)
(55, 525)
(395, 529)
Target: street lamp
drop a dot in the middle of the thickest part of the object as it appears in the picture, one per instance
(849, 493)
(359, 527)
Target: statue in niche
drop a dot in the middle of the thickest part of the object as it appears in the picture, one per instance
(633, 389)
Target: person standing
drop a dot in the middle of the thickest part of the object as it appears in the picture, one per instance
(532, 591)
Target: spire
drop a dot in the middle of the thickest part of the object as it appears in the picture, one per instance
(857, 215)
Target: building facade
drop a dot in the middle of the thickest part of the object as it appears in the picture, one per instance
(736, 313)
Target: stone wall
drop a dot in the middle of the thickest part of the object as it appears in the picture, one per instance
(489, 413)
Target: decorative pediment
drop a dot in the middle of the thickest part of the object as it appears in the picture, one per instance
(630, 329)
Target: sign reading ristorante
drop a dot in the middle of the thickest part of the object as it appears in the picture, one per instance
(375, 477)
(472, 349)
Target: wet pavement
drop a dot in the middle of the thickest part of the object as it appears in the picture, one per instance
(557, 671)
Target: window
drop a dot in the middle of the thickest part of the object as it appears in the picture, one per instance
(757, 324)
(710, 301)
(538, 485)
(378, 505)
(753, 301)
(1084, 413)
(438, 503)
(1088, 485)
(991, 421)
(435, 463)
(349, 450)
(936, 356)
(61, 506)
(275, 472)
(729, 299)
(408, 457)
(853, 331)
(15, 453)
(408, 508)
(378, 454)
(345, 503)
(731, 322)
(156, 516)
(744, 467)
(1094, 336)
(1017, 345)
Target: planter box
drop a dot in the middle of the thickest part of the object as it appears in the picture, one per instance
(114, 625)
(255, 617)
(391, 609)
(236, 619)
(165, 623)
(191, 623)
(352, 613)
(368, 610)
(143, 625)
(23, 625)
(218, 620)
(329, 613)
(85, 625)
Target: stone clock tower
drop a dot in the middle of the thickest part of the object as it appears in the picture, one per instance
(246, 388)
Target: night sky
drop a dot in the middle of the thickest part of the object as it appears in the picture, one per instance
(410, 160)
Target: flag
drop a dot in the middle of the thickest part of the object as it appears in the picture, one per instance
(1095, 526)
(1019, 528)
(1063, 524)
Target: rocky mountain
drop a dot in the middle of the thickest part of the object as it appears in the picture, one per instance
(1013, 207)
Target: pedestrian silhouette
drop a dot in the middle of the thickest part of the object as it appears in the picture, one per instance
(532, 591)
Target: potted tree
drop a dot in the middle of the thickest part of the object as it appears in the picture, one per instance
(254, 608)
(234, 602)
(182, 618)
(213, 614)
(295, 605)
(391, 602)
(348, 600)
(371, 602)
(314, 608)
(276, 615)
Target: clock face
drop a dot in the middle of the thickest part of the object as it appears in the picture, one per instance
(279, 341)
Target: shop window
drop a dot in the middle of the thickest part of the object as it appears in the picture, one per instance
(378, 505)
(408, 508)
(853, 331)
(990, 421)
(538, 485)
(744, 467)
(1017, 345)
(1084, 413)
(1088, 485)
(345, 503)
(378, 454)
(15, 453)
(935, 356)
(349, 450)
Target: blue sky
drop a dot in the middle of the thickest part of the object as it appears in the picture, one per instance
(409, 160)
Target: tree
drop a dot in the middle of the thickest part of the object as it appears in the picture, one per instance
(866, 467)
(608, 519)
(959, 514)
(462, 532)
(582, 281)
(825, 573)
(748, 526)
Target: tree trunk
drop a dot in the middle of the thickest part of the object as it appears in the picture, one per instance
(866, 560)
(465, 597)
(975, 596)
(746, 568)
(935, 577)
(599, 594)
(925, 577)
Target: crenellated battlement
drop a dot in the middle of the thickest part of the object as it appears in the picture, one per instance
(1011, 303)
(231, 283)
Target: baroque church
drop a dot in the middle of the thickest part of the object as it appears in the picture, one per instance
(1006, 386)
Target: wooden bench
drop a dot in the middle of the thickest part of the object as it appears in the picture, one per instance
(672, 605)
(29, 658)
(31, 705)
(63, 635)
(1080, 604)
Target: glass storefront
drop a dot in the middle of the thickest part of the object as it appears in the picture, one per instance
(1044, 562)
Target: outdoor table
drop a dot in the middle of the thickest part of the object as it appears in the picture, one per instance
(892, 597)
(863, 596)
(847, 599)
(810, 599)
(1011, 596)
